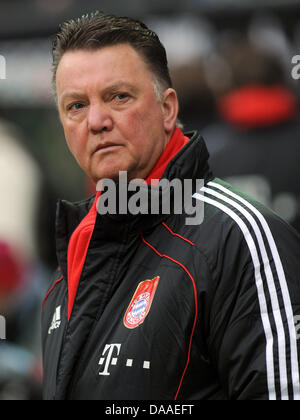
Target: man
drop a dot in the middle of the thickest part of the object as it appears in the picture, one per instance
(146, 306)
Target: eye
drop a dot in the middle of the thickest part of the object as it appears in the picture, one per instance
(122, 96)
(75, 106)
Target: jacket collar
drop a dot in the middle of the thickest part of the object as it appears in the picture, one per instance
(191, 162)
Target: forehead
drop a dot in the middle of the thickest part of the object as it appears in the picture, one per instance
(81, 68)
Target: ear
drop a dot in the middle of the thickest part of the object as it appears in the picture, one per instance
(170, 109)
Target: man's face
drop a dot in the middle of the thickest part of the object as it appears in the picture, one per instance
(112, 118)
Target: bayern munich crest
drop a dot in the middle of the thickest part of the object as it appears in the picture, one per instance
(141, 302)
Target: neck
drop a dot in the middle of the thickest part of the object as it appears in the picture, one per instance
(175, 144)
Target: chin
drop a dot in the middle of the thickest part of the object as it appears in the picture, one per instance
(109, 174)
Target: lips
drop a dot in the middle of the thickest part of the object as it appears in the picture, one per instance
(103, 146)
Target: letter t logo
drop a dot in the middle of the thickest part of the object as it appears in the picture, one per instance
(109, 349)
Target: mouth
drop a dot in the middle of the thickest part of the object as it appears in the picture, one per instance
(105, 147)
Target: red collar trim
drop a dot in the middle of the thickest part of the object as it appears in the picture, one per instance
(255, 106)
(77, 251)
(177, 142)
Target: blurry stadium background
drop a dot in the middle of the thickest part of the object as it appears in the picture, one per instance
(231, 62)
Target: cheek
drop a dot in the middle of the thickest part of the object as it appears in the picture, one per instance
(139, 122)
(75, 139)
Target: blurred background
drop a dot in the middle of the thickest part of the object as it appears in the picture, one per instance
(231, 63)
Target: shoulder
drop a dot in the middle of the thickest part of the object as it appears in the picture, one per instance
(242, 209)
(237, 208)
(235, 222)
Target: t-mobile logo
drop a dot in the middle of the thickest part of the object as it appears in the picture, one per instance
(110, 358)
(110, 351)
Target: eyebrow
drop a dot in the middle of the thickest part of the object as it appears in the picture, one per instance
(70, 94)
(118, 86)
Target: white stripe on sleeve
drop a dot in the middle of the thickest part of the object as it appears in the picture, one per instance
(260, 290)
(282, 281)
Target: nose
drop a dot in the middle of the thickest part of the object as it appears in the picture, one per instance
(99, 119)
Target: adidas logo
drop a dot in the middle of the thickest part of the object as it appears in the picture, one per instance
(56, 321)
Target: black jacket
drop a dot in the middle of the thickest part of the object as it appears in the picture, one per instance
(215, 320)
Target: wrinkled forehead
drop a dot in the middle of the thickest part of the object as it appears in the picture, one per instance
(83, 69)
(117, 58)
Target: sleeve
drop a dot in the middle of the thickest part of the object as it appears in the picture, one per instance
(256, 306)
